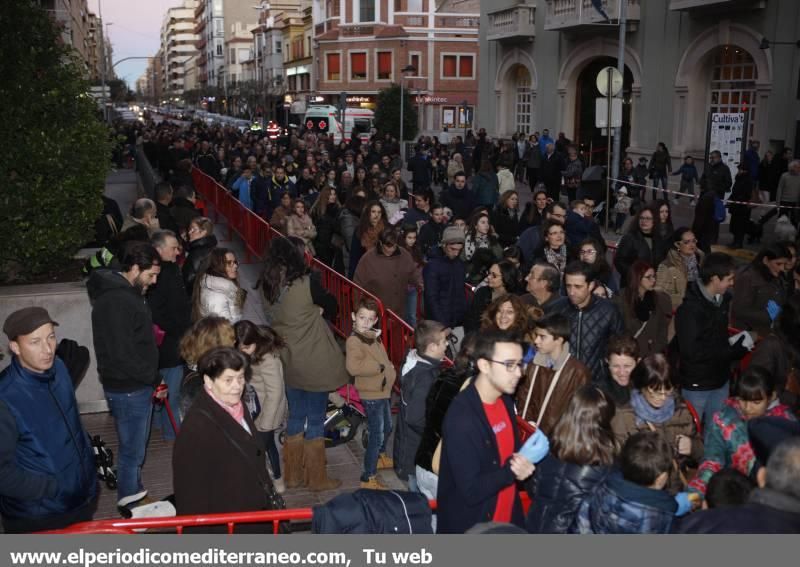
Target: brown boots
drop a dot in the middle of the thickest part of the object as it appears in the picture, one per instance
(293, 461)
(315, 472)
(304, 464)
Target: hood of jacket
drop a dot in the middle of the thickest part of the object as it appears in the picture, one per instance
(104, 281)
(209, 241)
(217, 284)
(414, 359)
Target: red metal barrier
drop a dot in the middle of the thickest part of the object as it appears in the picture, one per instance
(347, 294)
(398, 337)
(179, 523)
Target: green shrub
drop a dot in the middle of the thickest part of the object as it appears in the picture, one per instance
(54, 149)
(387, 113)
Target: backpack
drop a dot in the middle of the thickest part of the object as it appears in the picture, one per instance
(719, 210)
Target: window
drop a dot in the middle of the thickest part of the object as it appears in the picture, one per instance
(366, 11)
(453, 117)
(415, 61)
(384, 65)
(219, 49)
(219, 26)
(232, 58)
(523, 102)
(358, 66)
(334, 66)
(458, 67)
(334, 4)
(278, 46)
(733, 83)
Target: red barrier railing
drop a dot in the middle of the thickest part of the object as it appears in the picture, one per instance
(398, 337)
(230, 521)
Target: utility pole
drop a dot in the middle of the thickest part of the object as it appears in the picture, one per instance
(623, 7)
(103, 55)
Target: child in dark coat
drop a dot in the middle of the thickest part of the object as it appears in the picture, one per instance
(633, 500)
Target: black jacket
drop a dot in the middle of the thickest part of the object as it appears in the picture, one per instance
(633, 246)
(716, 178)
(590, 330)
(165, 219)
(327, 226)
(767, 512)
(441, 395)
(124, 343)
(550, 170)
(374, 512)
(418, 375)
(197, 252)
(421, 170)
(558, 488)
(430, 237)
(701, 330)
(445, 299)
(507, 224)
(210, 447)
(460, 201)
(470, 476)
(171, 307)
(183, 211)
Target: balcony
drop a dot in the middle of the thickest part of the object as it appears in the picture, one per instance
(470, 22)
(724, 4)
(512, 24)
(357, 30)
(411, 20)
(566, 15)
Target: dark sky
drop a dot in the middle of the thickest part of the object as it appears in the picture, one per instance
(135, 31)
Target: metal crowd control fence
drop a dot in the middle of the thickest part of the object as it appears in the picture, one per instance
(147, 175)
(229, 520)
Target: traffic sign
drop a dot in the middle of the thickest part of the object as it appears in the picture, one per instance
(601, 112)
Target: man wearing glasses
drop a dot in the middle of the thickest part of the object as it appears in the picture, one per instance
(480, 462)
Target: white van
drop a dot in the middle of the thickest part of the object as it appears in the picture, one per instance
(325, 118)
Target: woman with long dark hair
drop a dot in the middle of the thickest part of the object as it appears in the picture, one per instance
(506, 218)
(535, 213)
(645, 311)
(370, 226)
(681, 266)
(582, 452)
(409, 239)
(760, 292)
(313, 361)
(201, 242)
(325, 214)
(217, 290)
(642, 241)
(502, 279)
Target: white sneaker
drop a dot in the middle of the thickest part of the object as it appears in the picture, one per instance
(128, 500)
(280, 487)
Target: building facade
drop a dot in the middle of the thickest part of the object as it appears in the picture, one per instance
(179, 47)
(683, 60)
(363, 47)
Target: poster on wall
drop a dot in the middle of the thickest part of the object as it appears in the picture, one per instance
(727, 133)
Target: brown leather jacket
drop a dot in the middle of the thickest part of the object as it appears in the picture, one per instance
(573, 375)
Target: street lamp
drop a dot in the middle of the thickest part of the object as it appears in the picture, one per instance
(403, 71)
(464, 104)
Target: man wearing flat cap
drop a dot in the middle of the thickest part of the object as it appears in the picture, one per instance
(48, 478)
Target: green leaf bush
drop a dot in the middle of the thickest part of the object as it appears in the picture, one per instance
(54, 148)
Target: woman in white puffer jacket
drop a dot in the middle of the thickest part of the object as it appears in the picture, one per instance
(217, 291)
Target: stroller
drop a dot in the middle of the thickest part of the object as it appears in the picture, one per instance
(344, 415)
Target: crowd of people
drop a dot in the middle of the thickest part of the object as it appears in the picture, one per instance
(610, 390)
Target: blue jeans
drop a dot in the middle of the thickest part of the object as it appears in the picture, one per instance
(306, 412)
(656, 178)
(411, 306)
(132, 412)
(172, 378)
(379, 422)
(707, 403)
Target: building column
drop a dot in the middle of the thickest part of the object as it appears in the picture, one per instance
(636, 100)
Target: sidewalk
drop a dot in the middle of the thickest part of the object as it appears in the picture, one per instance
(344, 461)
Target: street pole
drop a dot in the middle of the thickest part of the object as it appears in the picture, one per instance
(621, 68)
(464, 104)
(608, 143)
(103, 66)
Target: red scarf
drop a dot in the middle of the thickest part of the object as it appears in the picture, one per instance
(236, 412)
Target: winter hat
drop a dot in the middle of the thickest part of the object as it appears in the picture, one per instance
(453, 235)
(623, 190)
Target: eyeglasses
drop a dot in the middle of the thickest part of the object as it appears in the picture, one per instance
(690, 241)
(510, 365)
(588, 252)
(661, 393)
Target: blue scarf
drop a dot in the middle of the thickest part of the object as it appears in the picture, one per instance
(645, 412)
